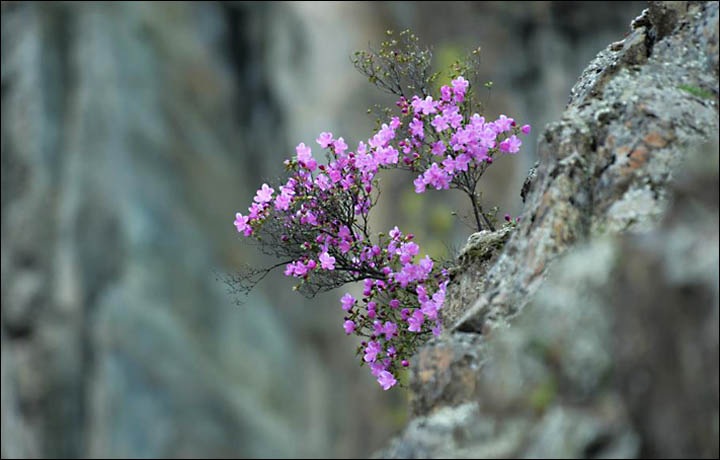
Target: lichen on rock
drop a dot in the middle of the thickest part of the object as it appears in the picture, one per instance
(467, 277)
(591, 330)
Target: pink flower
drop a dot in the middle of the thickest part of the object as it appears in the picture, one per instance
(324, 140)
(503, 124)
(282, 202)
(425, 265)
(525, 129)
(255, 210)
(304, 154)
(422, 293)
(305, 158)
(416, 321)
(378, 328)
(386, 133)
(309, 218)
(511, 144)
(344, 233)
(408, 251)
(340, 146)
(416, 129)
(241, 223)
(449, 164)
(427, 106)
(419, 184)
(344, 246)
(347, 302)
(453, 117)
(349, 327)
(327, 262)
(439, 297)
(386, 380)
(437, 330)
(264, 194)
(438, 148)
(322, 182)
(386, 155)
(461, 162)
(372, 351)
(390, 329)
(377, 367)
(429, 309)
(446, 93)
(440, 123)
(300, 269)
(460, 85)
(403, 277)
(437, 177)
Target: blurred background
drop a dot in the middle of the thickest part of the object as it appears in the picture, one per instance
(133, 132)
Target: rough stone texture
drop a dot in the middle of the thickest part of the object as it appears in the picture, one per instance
(616, 351)
(605, 165)
(123, 121)
(611, 349)
(467, 277)
(444, 372)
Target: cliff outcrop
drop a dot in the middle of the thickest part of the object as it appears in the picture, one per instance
(591, 330)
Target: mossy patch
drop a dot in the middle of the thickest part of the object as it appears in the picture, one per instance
(698, 92)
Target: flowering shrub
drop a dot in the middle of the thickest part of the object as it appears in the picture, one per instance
(316, 222)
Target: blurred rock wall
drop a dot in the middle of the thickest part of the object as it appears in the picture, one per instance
(131, 133)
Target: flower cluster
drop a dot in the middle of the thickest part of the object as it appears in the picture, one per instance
(450, 150)
(322, 212)
(317, 220)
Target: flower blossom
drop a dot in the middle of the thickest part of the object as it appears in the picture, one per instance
(264, 194)
(386, 380)
(347, 302)
(327, 262)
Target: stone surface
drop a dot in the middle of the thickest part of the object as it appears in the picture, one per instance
(444, 372)
(467, 277)
(616, 350)
(132, 131)
(596, 326)
(605, 165)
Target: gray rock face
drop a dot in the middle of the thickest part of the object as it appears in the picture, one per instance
(605, 164)
(609, 349)
(131, 132)
(467, 277)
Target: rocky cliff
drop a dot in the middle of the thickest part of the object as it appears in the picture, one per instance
(131, 131)
(591, 330)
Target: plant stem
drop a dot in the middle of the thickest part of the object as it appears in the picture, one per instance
(475, 207)
(487, 221)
